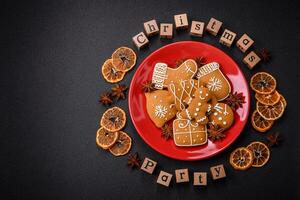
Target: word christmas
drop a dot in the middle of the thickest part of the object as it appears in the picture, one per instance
(165, 30)
(182, 175)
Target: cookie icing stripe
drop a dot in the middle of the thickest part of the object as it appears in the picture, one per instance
(208, 68)
(176, 98)
(159, 75)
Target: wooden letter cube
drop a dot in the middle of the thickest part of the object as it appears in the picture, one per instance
(213, 26)
(200, 178)
(151, 28)
(181, 21)
(251, 59)
(182, 175)
(218, 172)
(227, 37)
(166, 30)
(197, 28)
(148, 165)
(140, 40)
(244, 43)
(164, 178)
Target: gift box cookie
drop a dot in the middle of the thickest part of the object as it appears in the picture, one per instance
(189, 133)
(212, 77)
(164, 75)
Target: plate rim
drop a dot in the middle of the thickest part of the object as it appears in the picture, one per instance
(171, 156)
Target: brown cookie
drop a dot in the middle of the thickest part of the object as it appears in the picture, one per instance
(189, 133)
(163, 75)
(222, 116)
(199, 106)
(160, 107)
(182, 92)
(213, 78)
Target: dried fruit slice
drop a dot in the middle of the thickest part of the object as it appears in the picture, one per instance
(261, 153)
(270, 112)
(110, 73)
(113, 119)
(122, 145)
(282, 99)
(241, 158)
(268, 99)
(263, 83)
(259, 123)
(106, 139)
(123, 59)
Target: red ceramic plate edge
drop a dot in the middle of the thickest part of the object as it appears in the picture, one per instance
(170, 156)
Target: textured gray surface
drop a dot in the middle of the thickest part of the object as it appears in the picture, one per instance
(51, 53)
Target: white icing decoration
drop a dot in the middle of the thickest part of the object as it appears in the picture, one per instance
(214, 84)
(225, 111)
(160, 111)
(220, 118)
(195, 114)
(199, 104)
(224, 122)
(218, 108)
(215, 113)
(197, 109)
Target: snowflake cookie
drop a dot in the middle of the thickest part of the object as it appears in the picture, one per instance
(212, 77)
(160, 107)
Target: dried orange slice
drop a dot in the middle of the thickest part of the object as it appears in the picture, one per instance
(263, 83)
(261, 153)
(259, 123)
(122, 145)
(270, 112)
(268, 99)
(106, 139)
(113, 119)
(123, 59)
(282, 99)
(110, 73)
(241, 158)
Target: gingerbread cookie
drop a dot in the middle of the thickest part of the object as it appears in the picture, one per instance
(182, 92)
(213, 78)
(222, 116)
(163, 75)
(189, 133)
(201, 103)
(160, 107)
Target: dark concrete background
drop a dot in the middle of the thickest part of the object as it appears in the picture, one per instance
(51, 53)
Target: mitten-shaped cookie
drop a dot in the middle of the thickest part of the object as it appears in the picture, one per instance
(199, 106)
(163, 75)
(183, 91)
(160, 107)
(213, 78)
(189, 133)
(222, 116)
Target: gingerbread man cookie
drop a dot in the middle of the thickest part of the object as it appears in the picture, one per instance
(222, 116)
(182, 92)
(163, 75)
(160, 107)
(201, 103)
(189, 133)
(213, 78)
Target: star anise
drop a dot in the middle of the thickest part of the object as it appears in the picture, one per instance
(148, 86)
(105, 99)
(200, 61)
(235, 100)
(215, 133)
(265, 55)
(167, 131)
(118, 91)
(134, 161)
(274, 139)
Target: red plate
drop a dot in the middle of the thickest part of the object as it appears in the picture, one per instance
(169, 54)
